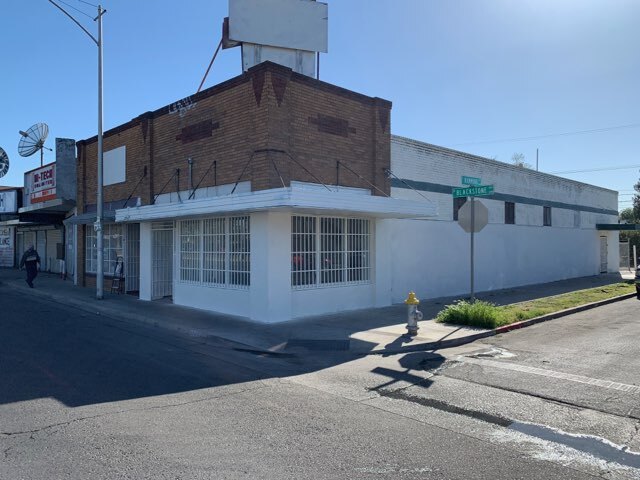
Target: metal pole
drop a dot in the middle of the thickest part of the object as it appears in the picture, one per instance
(473, 227)
(635, 258)
(99, 213)
(536, 159)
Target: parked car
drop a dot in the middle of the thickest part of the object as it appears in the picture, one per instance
(638, 281)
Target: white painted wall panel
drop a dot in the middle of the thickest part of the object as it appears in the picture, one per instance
(506, 256)
(223, 300)
(331, 299)
(114, 166)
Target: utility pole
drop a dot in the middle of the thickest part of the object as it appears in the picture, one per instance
(99, 204)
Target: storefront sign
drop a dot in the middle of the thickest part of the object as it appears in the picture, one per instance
(8, 201)
(6, 246)
(41, 183)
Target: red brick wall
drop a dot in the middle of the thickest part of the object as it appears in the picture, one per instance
(266, 119)
(268, 108)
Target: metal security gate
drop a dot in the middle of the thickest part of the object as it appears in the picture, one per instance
(603, 255)
(50, 259)
(132, 259)
(625, 258)
(41, 247)
(162, 260)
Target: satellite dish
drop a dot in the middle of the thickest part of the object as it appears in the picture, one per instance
(33, 140)
(4, 162)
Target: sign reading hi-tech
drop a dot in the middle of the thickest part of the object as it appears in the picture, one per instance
(41, 183)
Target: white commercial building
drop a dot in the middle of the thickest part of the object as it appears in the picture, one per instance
(308, 249)
(541, 227)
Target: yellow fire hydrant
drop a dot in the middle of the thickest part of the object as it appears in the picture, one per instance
(413, 314)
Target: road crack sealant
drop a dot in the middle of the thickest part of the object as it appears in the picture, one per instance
(462, 360)
(50, 427)
(591, 445)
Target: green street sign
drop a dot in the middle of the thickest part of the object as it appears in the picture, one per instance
(472, 191)
(471, 181)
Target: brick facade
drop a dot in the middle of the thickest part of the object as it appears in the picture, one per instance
(269, 122)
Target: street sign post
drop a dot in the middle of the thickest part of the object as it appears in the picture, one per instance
(473, 216)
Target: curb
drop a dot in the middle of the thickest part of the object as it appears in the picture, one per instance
(122, 315)
(456, 342)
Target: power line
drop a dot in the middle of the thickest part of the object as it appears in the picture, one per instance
(87, 3)
(536, 137)
(605, 169)
(76, 9)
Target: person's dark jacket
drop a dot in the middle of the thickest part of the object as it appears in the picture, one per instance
(30, 255)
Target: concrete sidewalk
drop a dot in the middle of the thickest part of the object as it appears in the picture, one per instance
(369, 331)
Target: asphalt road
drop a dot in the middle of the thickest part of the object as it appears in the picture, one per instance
(84, 396)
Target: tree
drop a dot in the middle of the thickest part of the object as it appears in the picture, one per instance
(631, 215)
(518, 160)
(628, 216)
(636, 202)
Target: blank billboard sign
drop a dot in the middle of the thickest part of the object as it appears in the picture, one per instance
(295, 24)
(114, 168)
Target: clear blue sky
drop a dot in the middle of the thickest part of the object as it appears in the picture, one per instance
(457, 72)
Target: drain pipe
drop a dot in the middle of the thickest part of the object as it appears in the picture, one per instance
(190, 162)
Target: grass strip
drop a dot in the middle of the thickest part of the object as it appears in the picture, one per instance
(487, 315)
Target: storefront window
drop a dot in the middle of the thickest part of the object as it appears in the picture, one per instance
(216, 251)
(329, 251)
(113, 247)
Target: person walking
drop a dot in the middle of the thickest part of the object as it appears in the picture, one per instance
(31, 261)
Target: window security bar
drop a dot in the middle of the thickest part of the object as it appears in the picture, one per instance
(329, 251)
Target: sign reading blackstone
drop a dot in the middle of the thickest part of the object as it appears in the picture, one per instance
(472, 191)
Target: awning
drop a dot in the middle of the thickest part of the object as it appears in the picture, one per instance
(319, 201)
(618, 226)
(16, 223)
(50, 206)
(108, 216)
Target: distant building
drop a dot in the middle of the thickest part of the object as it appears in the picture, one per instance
(47, 198)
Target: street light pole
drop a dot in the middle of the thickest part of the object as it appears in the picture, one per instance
(99, 211)
(99, 206)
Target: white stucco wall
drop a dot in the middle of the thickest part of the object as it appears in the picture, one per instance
(432, 257)
(505, 256)
(270, 297)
